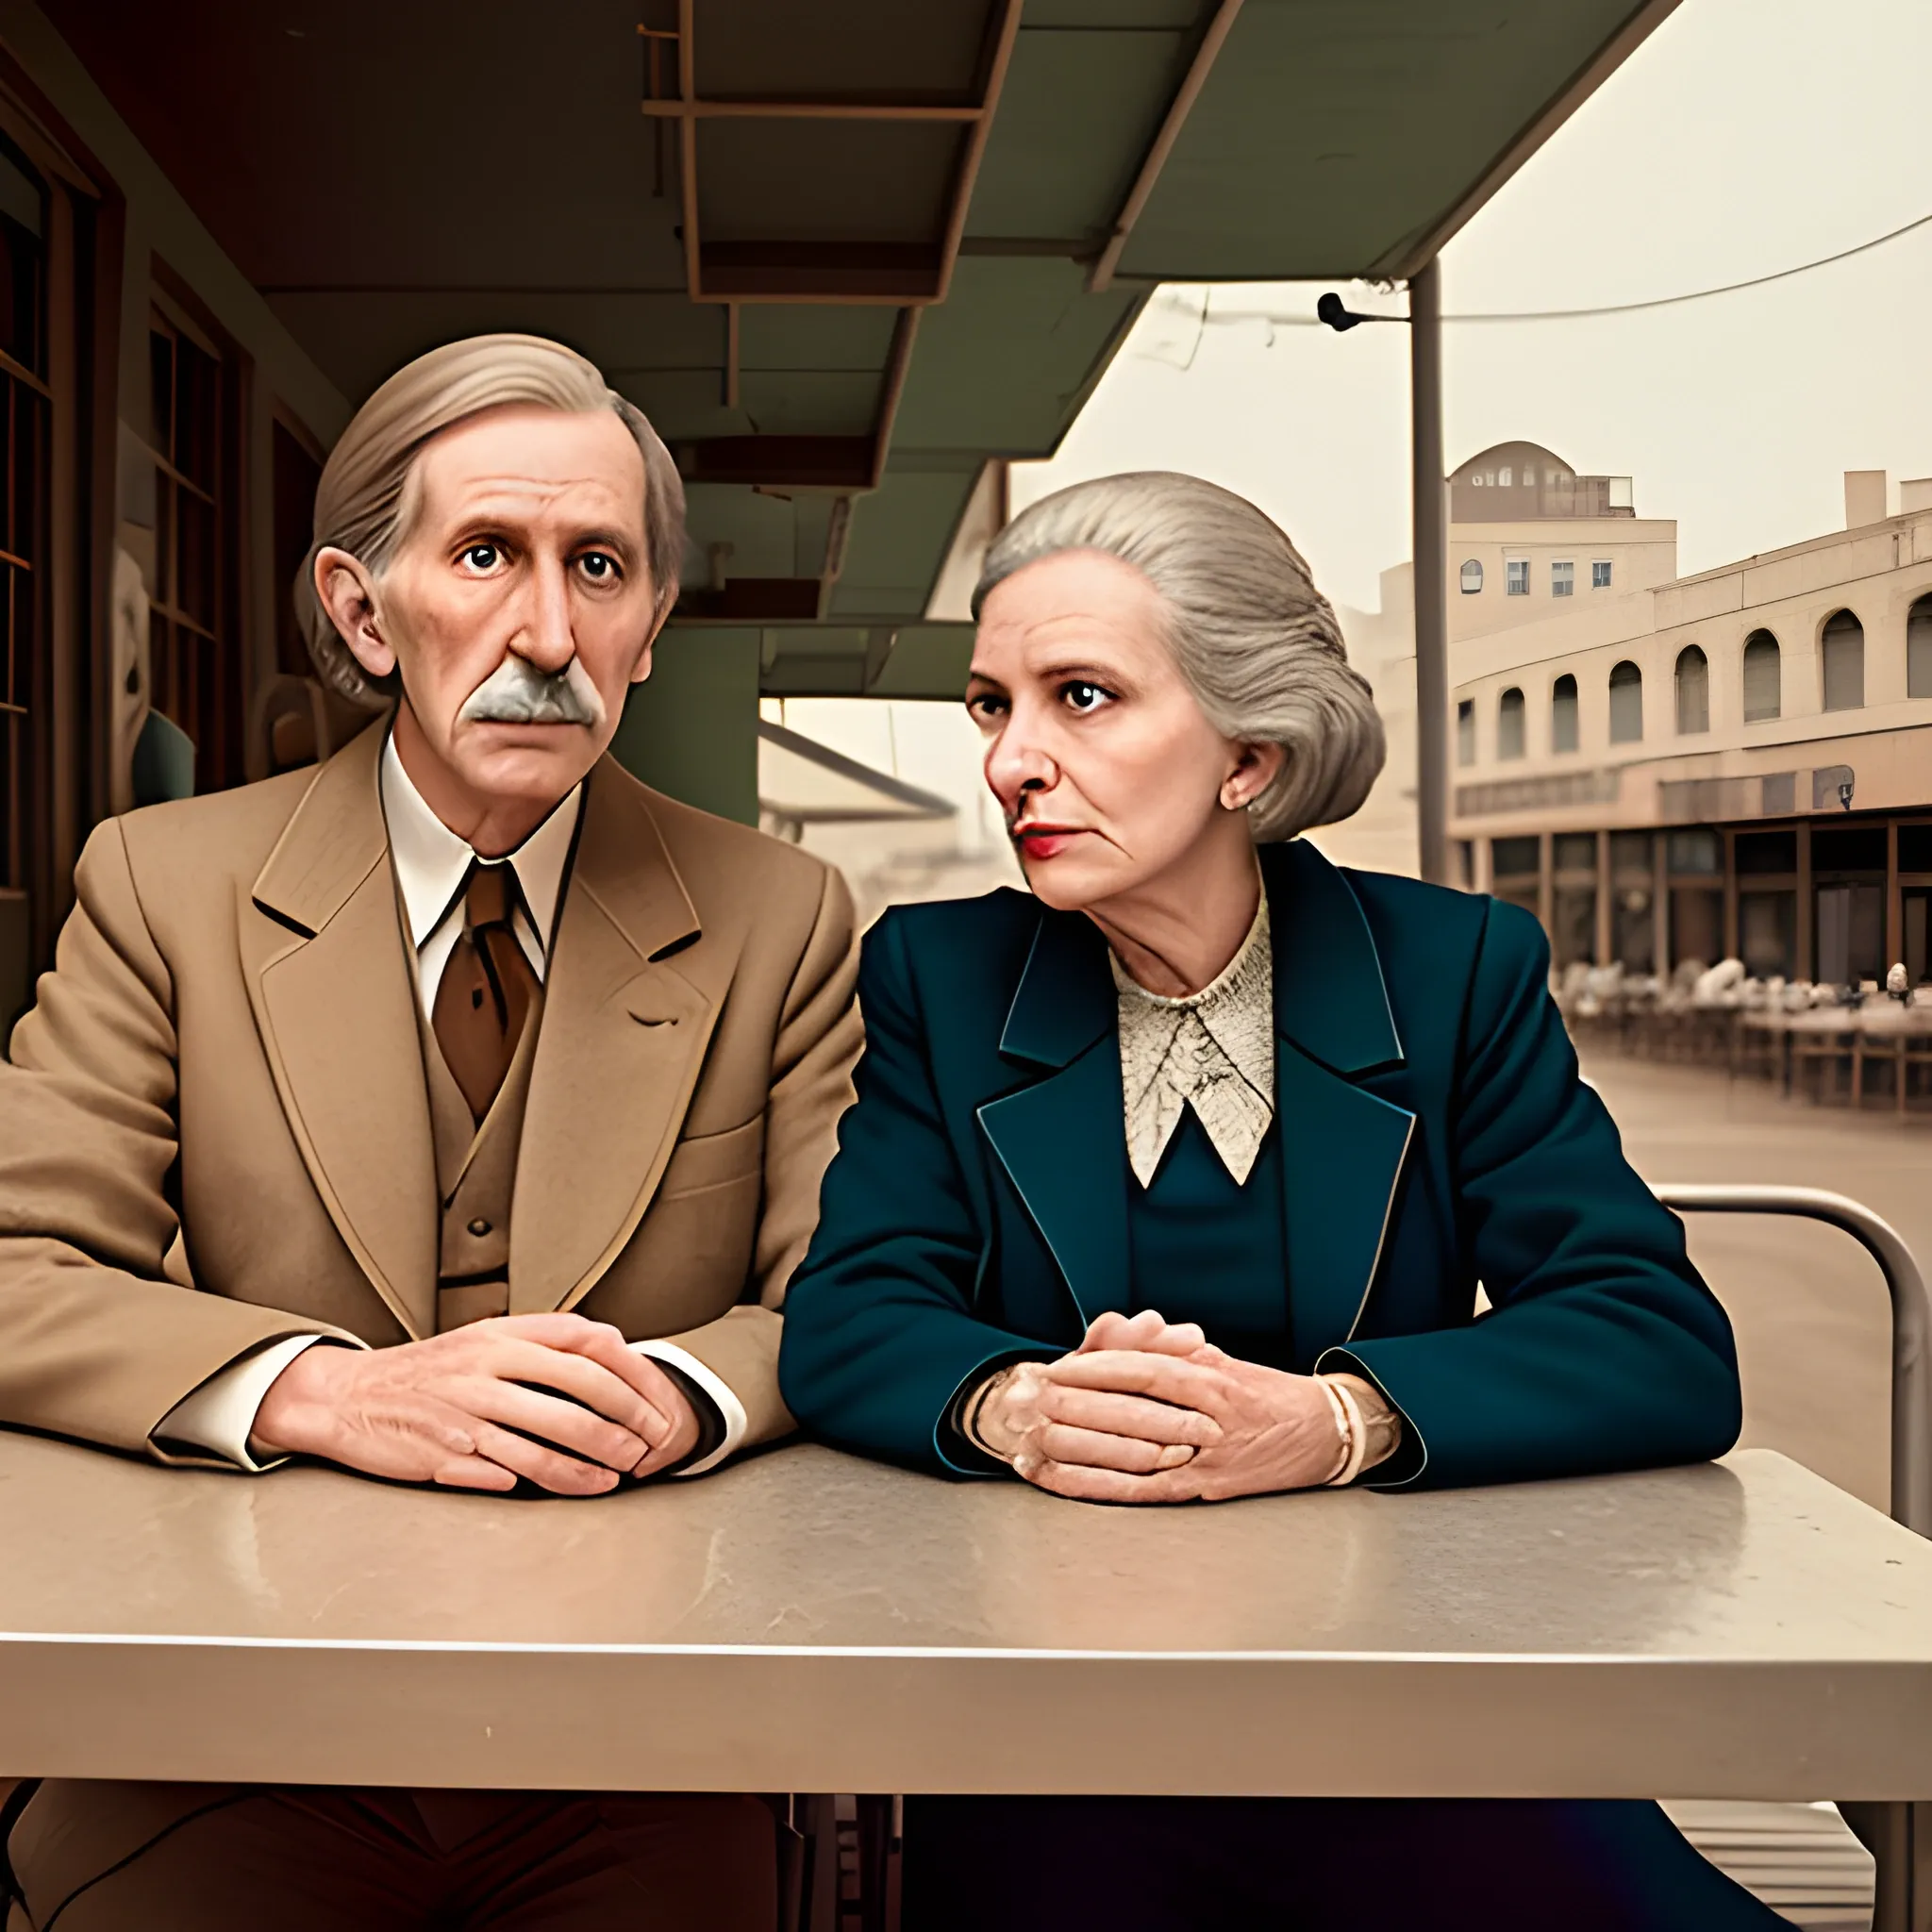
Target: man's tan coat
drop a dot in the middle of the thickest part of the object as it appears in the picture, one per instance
(216, 1131)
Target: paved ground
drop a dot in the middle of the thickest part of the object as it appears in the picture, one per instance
(1811, 1314)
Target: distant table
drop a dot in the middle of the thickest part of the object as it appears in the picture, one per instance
(807, 1622)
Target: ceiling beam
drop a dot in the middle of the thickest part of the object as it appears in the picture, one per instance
(896, 272)
(1000, 59)
(810, 111)
(902, 273)
(1101, 275)
(798, 462)
(892, 387)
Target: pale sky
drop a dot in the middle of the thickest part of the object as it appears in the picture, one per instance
(1745, 136)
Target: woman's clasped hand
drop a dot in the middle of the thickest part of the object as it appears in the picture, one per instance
(1145, 1410)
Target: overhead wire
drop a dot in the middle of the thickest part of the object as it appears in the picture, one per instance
(1209, 314)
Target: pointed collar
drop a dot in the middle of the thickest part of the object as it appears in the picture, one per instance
(1329, 996)
(432, 861)
(338, 834)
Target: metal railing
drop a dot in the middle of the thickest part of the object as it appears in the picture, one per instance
(1899, 1836)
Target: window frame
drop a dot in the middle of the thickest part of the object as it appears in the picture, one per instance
(1847, 636)
(1634, 682)
(1565, 702)
(1759, 637)
(1513, 724)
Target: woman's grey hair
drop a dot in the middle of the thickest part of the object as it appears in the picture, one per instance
(364, 502)
(1257, 642)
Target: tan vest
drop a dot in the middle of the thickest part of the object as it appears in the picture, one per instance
(476, 1178)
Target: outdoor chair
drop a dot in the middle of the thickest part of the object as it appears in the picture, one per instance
(1899, 1836)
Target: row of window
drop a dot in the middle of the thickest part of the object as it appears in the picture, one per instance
(1841, 646)
(1499, 479)
(1516, 576)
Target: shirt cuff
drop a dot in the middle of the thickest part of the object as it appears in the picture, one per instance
(216, 1417)
(718, 1392)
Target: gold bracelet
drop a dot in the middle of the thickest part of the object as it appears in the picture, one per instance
(1343, 1432)
(1355, 1434)
(970, 1424)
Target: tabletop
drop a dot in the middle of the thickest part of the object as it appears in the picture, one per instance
(806, 1621)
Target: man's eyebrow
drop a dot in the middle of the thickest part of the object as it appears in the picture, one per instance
(600, 538)
(508, 514)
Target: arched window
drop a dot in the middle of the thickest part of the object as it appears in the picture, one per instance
(1626, 704)
(1919, 650)
(1843, 648)
(1471, 577)
(1465, 731)
(1510, 724)
(1694, 691)
(1563, 734)
(1763, 694)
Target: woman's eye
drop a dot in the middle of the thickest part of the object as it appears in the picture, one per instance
(1081, 696)
(599, 568)
(482, 556)
(983, 710)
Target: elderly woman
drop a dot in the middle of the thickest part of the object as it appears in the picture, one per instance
(1175, 1180)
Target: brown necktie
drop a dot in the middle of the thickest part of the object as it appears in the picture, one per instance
(487, 988)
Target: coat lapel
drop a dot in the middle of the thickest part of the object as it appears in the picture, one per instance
(623, 1041)
(1061, 1140)
(329, 976)
(1342, 1148)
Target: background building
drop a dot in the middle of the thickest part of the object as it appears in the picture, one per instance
(1733, 763)
(1529, 540)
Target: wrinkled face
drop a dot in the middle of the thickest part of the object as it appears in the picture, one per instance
(1109, 775)
(519, 604)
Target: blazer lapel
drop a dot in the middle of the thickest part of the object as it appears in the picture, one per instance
(328, 978)
(622, 1043)
(1342, 1147)
(1061, 1140)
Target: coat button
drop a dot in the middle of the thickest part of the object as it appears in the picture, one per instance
(480, 1227)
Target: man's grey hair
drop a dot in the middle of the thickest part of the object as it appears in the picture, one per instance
(1257, 642)
(364, 502)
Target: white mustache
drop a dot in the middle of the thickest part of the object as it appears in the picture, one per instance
(516, 692)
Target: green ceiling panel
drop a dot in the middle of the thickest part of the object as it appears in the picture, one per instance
(812, 335)
(1003, 366)
(762, 531)
(899, 535)
(1076, 114)
(810, 402)
(682, 404)
(1331, 133)
(929, 660)
(1113, 15)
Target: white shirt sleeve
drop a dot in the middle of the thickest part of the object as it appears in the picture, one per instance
(737, 1423)
(218, 1416)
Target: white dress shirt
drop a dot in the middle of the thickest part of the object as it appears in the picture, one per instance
(431, 864)
(1212, 1050)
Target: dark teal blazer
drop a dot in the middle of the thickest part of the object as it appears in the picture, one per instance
(1434, 1135)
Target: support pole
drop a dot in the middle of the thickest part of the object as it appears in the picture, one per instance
(1431, 551)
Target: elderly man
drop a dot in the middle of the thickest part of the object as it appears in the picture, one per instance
(453, 1113)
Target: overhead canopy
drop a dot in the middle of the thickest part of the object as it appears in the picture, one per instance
(842, 255)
